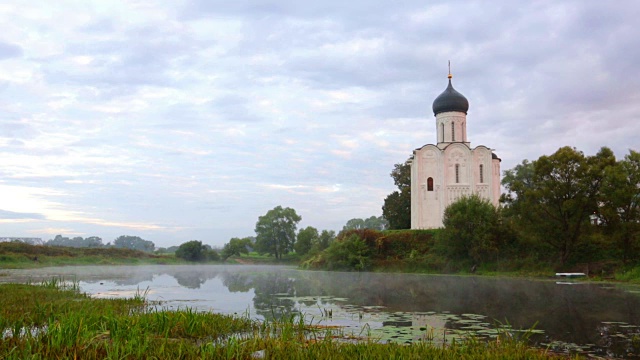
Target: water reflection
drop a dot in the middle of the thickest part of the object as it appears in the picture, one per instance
(403, 307)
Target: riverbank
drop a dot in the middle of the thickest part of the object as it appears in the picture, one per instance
(419, 251)
(24, 256)
(16, 255)
(54, 320)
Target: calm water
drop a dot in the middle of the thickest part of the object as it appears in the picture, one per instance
(596, 318)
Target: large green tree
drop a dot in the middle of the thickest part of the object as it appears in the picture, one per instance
(397, 205)
(306, 238)
(619, 202)
(276, 231)
(471, 230)
(553, 197)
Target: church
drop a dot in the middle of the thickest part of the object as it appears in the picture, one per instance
(450, 169)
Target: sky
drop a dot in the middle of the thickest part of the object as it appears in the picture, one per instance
(184, 120)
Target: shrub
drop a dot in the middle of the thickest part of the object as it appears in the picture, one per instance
(350, 253)
(471, 230)
(192, 251)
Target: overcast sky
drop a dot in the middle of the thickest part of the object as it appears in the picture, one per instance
(182, 120)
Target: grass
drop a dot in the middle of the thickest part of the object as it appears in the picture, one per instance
(631, 275)
(54, 321)
(15, 255)
(265, 259)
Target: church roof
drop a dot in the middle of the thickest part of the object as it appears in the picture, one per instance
(450, 100)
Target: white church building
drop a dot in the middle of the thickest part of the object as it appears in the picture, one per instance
(450, 169)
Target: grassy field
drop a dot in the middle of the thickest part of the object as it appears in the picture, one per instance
(54, 321)
(15, 255)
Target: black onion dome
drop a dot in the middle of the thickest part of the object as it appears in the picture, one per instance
(450, 100)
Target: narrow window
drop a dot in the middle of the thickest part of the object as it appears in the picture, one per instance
(481, 174)
(442, 131)
(457, 173)
(430, 184)
(453, 132)
(464, 132)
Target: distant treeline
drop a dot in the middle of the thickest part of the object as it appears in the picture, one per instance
(121, 242)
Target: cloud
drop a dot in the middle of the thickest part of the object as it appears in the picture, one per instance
(8, 51)
(189, 120)
(12, 215)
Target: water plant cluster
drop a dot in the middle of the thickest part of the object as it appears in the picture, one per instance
(55, 320)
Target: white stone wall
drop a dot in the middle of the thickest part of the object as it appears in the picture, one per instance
(439, 162)
(443, 128)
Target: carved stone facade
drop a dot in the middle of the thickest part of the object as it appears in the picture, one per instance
(450, 169)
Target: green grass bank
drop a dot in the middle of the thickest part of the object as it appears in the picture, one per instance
(408, 251)
(418, 251)
(17, 255)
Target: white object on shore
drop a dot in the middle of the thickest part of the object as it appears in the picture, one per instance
(570, 274)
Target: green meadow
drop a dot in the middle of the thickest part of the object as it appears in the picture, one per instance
(17, 255)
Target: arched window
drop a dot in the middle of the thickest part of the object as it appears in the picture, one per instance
(481, 173)
(453, 132)
(457, 173)
(430, 184)
(442, 131)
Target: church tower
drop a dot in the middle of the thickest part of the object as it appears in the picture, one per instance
(450, 169)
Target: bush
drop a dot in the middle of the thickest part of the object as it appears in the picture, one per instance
(192, 251)
(404, 244)
(471, 230)
(350, 253)
(213, 255)
(389, 249)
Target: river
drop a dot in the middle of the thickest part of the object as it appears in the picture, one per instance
(597, 318)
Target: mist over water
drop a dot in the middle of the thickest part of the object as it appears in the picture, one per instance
(396, 306)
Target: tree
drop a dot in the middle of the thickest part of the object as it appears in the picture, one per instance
(78, 241)
(134, 243)
(376, 223)
(619, 201)
(93, 241)
(236, 247)
(397, 205)
(192, 251)
(276, 231)
(553, 197)
(471, 230)
(373, 222)
(306, 238)
(325, 239)
(354, 224)
(517, 181)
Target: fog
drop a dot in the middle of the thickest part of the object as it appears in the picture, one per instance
(571, 312)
